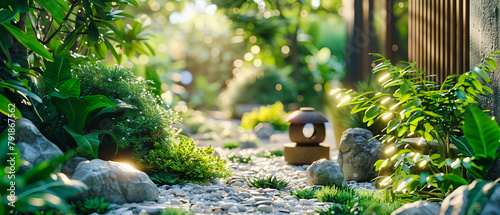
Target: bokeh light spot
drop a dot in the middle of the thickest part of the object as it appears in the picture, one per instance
(238, 63)
(253, 39)
(186, 77)
(285, 49)
(255, 49)
(257, 62)
(278, 87)
(248, 56)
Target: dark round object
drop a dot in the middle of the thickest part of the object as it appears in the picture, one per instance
(297, 134)
(306, 115)
(299, 119)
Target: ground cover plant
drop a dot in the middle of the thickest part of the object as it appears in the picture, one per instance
(184, 160)
(335, 194)
(308, 193)
(230, 145)
(354, 202)
(266, 182)
(91, 205)
(240, 159)
(415, 106)
(269, 154)
(273, 114)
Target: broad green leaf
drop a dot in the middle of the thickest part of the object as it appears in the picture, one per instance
(492, 62)
(417, 102)
(405, 86)
(93, 31)
(99, 3)
(100, 50)
(86, 142)
(462, 145)
(393, 124)
(130, 2)
(478, 195)
(75, 109)
(478, 71)
(8, 108)
(69, 88)
(430, 113)
(7, 15)
(461, 94)
(372, 112)
(28, 41)
(95, 102)
(63, 4)
(53, 8)
(481, 132)
(56, 73)
(21, 90)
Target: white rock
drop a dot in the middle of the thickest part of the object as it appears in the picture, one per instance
(233, 209)
(116, 182)
(265, 208)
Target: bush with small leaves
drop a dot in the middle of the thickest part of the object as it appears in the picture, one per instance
(240, 159)
(185, 161)
(269, 154)
(147, 120)
(267, 182)
(230, 145)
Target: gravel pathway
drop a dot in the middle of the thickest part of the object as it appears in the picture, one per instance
(233, 196)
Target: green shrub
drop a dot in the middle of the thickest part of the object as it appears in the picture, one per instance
(230, 145)
(413, 106)
(138, 128)
(268, 154)
(267, 182)
(273, 114)
(91, 205)
(240, 159)
(305, 193)
(185, 161)
(335, 194)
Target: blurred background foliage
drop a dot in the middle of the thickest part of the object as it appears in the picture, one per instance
(219, 54)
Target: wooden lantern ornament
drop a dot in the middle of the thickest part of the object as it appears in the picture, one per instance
(305, 150)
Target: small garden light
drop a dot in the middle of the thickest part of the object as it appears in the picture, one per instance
(306, 149)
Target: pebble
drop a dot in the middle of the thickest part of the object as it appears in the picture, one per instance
(233, 196)
(233, 209)
(263, 203)
(265, 208)
(196, 210)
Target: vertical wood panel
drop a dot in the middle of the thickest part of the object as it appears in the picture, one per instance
(439, 36)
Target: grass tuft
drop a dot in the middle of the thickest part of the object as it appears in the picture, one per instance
(267, 182)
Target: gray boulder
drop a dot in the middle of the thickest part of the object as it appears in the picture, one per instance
(455, 202)
(264, 130)
(33, 146)
(325, 172)
(357, 154)
(418, 208)
(117, 182)
(69, 167)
